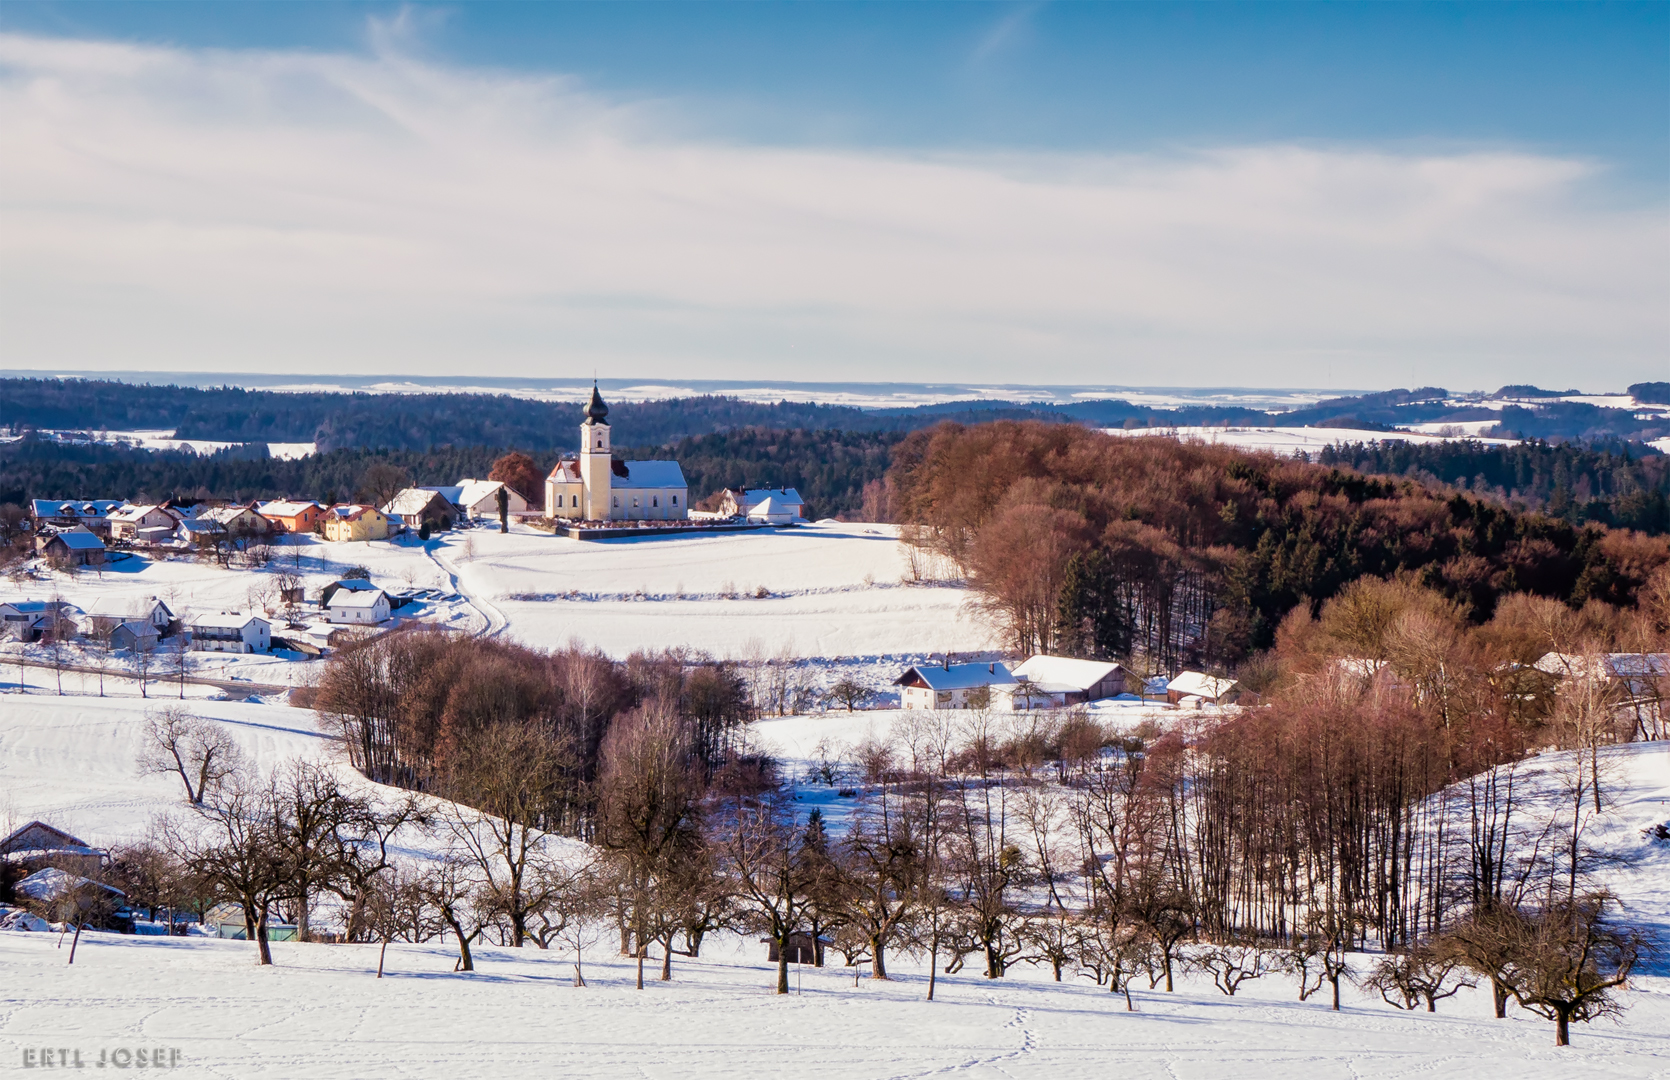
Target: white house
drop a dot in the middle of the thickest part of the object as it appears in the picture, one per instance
(107, 612)
(1058, 681)
(750, 504)
(27, 620)
(142, 522)
(231, 631)
(592, 486)
(134, 634)
(957, 686)
(480, 498)
(357, 607)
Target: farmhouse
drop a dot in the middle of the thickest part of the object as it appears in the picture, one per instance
(71, 547)
(37, 845)
(292, 517)
(480, 498)
(237, 520)
(751, 504)
(108, 612)
(417, 507)
(592, 486)
(65, 513)
(953, 686)
(231, 631)
(1057, 681)
(357, 607)
(30, 620)
(355, 522)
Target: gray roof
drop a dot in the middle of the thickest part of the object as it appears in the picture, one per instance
(958, 676)
(649, 474)
(79, 539)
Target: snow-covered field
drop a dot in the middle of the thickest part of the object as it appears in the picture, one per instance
(1285, 441)
(320, 1012)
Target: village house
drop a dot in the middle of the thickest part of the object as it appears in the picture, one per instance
(150, 522)
(417, 507)
(108, 612)
(71, 547)
(785, 503)
(480, 498)
(953, 686)
(357, 607)
(237, 521)
(37, 846)
(292, 517)
(133, 635)
(1045, 682)
(230, 631)
(93, 514)
(1196, 684)
(355, 522)
(30, 620)
(199, 532)
(592, 486)
(1636, 683)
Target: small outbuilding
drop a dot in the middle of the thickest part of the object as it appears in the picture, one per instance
(1059, 681)
(134, 635)
(802, 948)
(416, 507)
(37, 845)
(357, 607)
(1196, 684)
(746, 504)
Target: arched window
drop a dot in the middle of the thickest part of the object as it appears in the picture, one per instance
(655, 500)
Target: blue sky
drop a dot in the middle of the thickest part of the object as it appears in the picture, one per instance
(1522, 149)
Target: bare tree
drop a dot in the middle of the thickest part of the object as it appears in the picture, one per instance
(1406, 979)
(762, 853)
(236, 853)
(200, 752)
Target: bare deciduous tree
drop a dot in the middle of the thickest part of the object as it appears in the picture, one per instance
(200, 752)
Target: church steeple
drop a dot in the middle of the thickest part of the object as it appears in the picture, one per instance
(596, 411)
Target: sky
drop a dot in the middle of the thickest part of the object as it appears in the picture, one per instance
(1322, 194)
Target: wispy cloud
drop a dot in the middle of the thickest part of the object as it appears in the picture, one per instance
(169, 209)
(1009, 29)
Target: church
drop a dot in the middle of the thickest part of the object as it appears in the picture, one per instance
(593, 486)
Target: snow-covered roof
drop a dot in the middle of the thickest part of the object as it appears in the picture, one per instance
(284, 508)
(1199, 684)
(451, 494)
(566, 471)
(79, 539)
(134, 513)
(1615, 665)
(39, 836)
(350, 511)
(769, 507)
(352, 598)
(1063, 673)
(201, 525)
(781, 495)
(138, 627)
(224, 514)
(126, 606)
(35, 607)
(226, 620)
(356, 585)
(957, 676)
(73, 507)
(648, 474)
(411, 501)
(471, 492)
(49, 884)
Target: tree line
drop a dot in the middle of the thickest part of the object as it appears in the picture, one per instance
(1611, 485)
(1177, 553)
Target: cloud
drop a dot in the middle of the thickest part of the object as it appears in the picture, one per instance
(171, 209)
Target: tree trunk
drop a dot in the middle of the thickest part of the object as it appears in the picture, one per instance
(381, 955)
(1499, 997)
(1168, 980)
(933, 966)
(1335, 980)
(878, 959)
(261, 938)
(74, 940)
(667, 959)
(783, 964)
(641, 951)
(1562, 1029)
(303, 932)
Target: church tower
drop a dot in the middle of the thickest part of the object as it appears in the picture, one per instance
(596, 459)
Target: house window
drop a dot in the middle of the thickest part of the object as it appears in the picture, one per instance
(675, 500)
(616, 500)
(634, 502)
(655, 500)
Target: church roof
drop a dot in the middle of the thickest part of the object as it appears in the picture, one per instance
(648, 474)
(597, 411)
